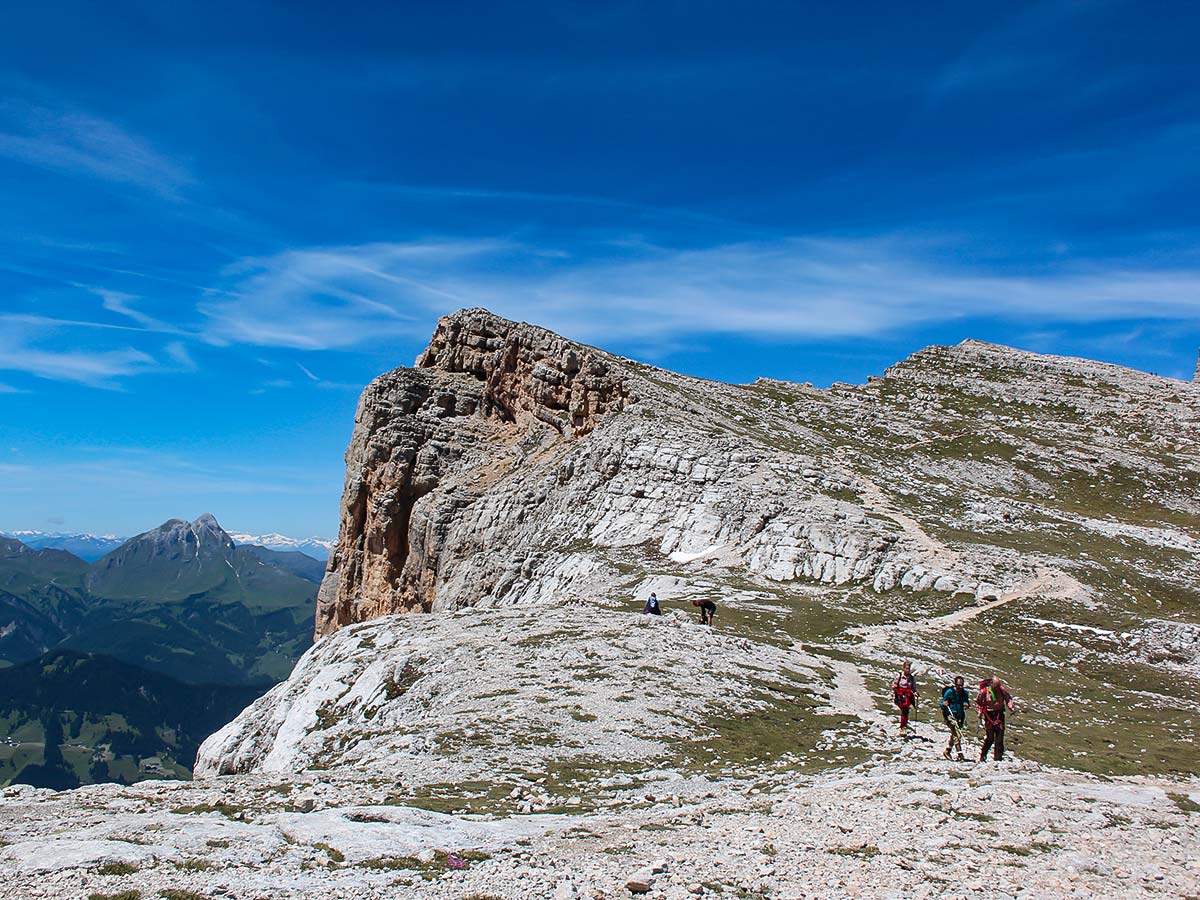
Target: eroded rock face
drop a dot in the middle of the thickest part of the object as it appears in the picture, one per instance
(528, 371)
(428, 443)
(411, 427)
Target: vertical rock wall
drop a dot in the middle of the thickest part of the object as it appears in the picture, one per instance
(425, 439)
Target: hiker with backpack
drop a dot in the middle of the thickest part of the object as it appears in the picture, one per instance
(991, 704)
(708, 609)
(904, 694)
(954, 713)
(652, 608)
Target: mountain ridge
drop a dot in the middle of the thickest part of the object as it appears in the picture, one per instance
(91, 547)
(182, 598)
(514, 475)
(490, 713)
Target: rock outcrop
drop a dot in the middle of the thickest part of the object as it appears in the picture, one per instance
(528, 371)
(429, 442)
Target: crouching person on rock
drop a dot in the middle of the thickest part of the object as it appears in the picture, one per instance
(991, 703)
(954, 712)
(904, 694)
(708, 609)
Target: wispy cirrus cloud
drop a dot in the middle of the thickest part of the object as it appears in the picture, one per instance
(102, 369)
(92, 352)
(319, 298)
(796, 288)
(79, 144)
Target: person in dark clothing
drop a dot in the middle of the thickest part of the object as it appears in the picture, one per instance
(708, 609)
(991, 703)
(904, 693)
(954, 712)
(652, 608)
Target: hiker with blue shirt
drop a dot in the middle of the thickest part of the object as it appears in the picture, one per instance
(651, 608)
(954, 712)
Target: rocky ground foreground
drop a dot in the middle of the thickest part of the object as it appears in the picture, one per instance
(905, 826)
(582, 752)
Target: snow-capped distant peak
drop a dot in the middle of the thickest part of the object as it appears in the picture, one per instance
(316, 547)
(86, 546)
(61, 534)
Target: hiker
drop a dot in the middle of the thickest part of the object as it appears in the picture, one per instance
(991, 703)
(904, 693)
(954, 713)
(651, 608)
(708, 609)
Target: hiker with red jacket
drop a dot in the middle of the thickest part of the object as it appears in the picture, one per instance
(904, 694)
(991, 704)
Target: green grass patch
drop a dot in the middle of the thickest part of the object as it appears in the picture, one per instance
(441, 863)
(334, 854)
(195, 865)
(1184, 802)
(117, 868)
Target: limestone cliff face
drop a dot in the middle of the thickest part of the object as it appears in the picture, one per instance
(512, 466)
(427, 441)
(528, 371)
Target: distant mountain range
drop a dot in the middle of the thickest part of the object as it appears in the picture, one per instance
(91, 547)
(139, 651)
(183, 599)
(86, 546)
(317, 548)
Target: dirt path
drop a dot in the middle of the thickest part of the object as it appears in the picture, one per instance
(873, 499)
(850, 694)
(1046, 583)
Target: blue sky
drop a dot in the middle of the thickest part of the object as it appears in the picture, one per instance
(221, 220)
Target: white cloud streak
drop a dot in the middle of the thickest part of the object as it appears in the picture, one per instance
(796, 288)
(318, 298)
(82, 145)
(100, 369)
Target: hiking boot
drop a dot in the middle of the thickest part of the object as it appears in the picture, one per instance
(946, 753)
(961, 758)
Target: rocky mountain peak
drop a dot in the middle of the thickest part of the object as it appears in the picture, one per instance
(528, 371)
(176, 544)
(207, 522)
(1196, 377)
(430, 440)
